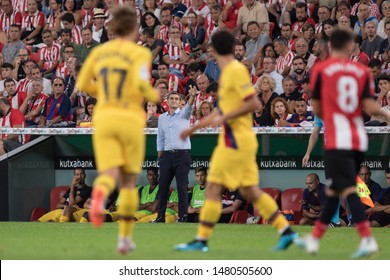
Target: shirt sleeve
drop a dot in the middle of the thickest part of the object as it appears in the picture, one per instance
(244, 83)
(65, 107)
(86, 74)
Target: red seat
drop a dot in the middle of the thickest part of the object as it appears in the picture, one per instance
(291, 199)
(36, 213)
(55, 196)
(274, 193)
(33, 55)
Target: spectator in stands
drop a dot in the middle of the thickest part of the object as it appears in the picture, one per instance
(384, 87)
(286, 33)
(68, 6)
(386, 17)
(13, 118)
(57, 107)
(249, 65)
(99, 32)
(194, 70)
(33, 104)
(301, 115)
(230, 13)
(363, 18)
(300, 73)
(323, 14)
(200, 8)
(32, 24)
(212, 89)
(53, 21)
(174, 83)
(205, 108)
(380, 213)
(214, 20)
(49, 55)
(371, 45)
(151, 6)
(198, 194)
(344, 22)
(178, 9)
(372, 7)
(357, 54)
(153, 112)
(251, 11)
(202, 83)
(89, 109)
(291, 92)
(9, 16)
(15, 98)
(261, 116)
(176, 53)
(174, 154)
(256, 43)
(194, 33)
(161, 86)
(68, 22)
(265, 87)
(23, 83)
(66, 39)
(267, 51)
(313, 201)
(88, 44)
(302, 49)
(321, 50)
(212, 69)
(240, 51)
(284, 60)
(36, 74)
(62, 69)
(302, 18)
(14, 44)
(344, 9)
(308, 34)
(375, 66)
(167, 21)
(328, 27)
(19, 63)
(374, 187)
(280, 112)
(6, 72)
(149, 20)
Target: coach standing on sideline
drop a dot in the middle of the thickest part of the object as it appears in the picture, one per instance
(174, 155)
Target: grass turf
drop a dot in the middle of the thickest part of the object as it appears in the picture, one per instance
(62, 241)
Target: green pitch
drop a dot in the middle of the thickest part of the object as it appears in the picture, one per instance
(50, 241)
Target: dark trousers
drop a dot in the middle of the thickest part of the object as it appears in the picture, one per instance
(176, 164)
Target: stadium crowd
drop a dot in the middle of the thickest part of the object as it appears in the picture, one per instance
(44, 43)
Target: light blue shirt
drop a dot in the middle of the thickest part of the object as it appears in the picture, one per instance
(170, 127)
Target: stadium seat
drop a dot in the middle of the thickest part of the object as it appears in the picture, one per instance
(36, 213)
(291, 199)
(33, 55)
(240, 216)
(55, 196)
(274, 193)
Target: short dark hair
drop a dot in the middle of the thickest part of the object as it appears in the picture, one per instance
(154, 169)
(9, 80)
(174, 92)
(194, 67)
(91, 100)
(7, 65)
(5, 101)
(223, 42)
(387, 171)
(375, 63)
(148, 31)
(212, 87)
(79, 168)
(163, 63)
(381, 77)
(253, 23)
(340, 39)
(66, 31)
(68, 17)
(299, 57)
(301, 5)
(163, 9)
(200, 168)
(15, 25)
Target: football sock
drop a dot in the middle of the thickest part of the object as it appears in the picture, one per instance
(127, 207)
(319, 229)
(208, 217)
(269, 210)
(332, 204)
(356, 207)
(363, 228)
(336, 217)
(105, 183)
(64, 219)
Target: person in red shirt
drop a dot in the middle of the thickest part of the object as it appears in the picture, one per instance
(15, 98)
(230, 13)
(357, 54)
(10, 117)
(340, 89)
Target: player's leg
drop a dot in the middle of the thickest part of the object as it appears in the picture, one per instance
(128, 205)
(52, 216)
(208, 217)
(67, 214)
(270, 212)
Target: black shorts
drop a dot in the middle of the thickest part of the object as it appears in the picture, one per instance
(382, 219)
(342, 167)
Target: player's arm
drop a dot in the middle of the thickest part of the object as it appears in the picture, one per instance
(235, 206)
(312, 142)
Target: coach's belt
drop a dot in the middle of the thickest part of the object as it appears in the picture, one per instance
(177, 151)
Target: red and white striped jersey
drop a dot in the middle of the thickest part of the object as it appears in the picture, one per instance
(51, 20)
(62, 70)
(341, 85)
(174, 84)
(209, 26)
(17, 100)
(163, 32)
(202, 11)
(34, 103)
(318, 28)
(15, 18)
(12, 119)
(200, 98)
(86, 17)
(23, 85)
(30, 22)
(297, 26)
(174, 53)
(20, 5)
(76, 35)
(50, 55)
(283, 61)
